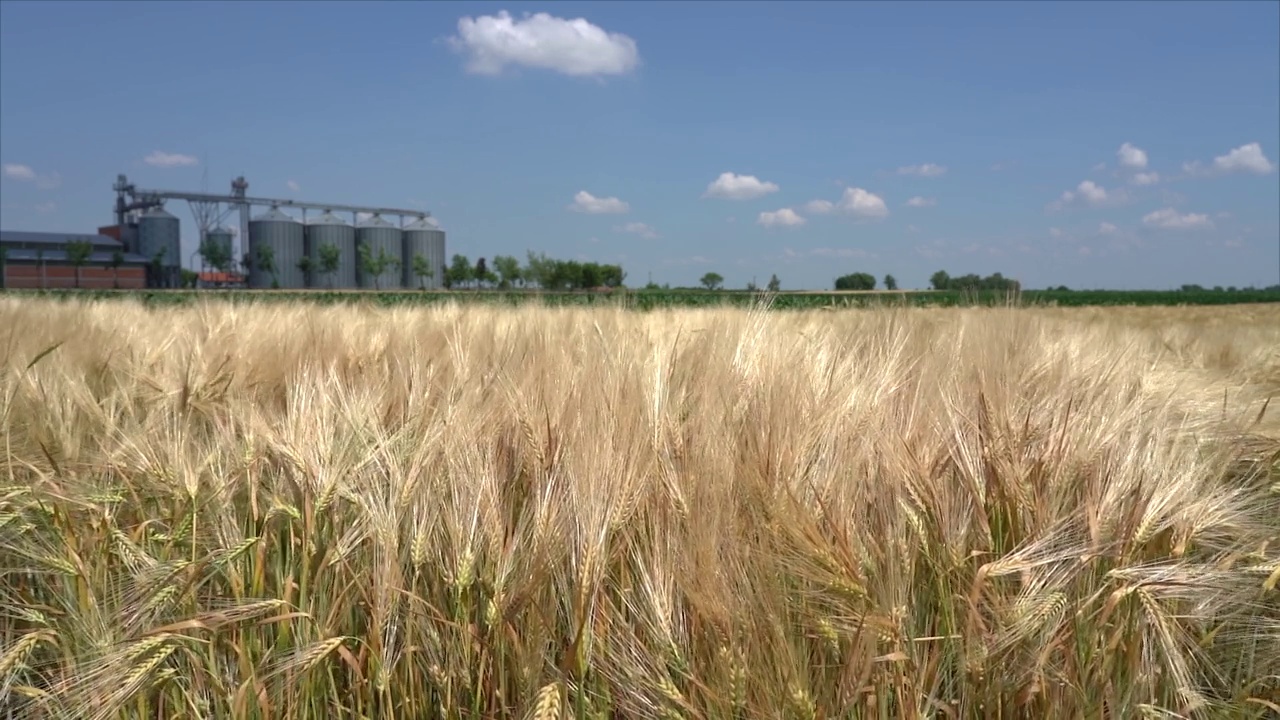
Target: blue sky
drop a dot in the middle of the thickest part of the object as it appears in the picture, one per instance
(1088, 144)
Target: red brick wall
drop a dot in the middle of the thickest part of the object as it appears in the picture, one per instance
(21, 277)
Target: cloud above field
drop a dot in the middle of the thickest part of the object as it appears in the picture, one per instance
(585, 202)
(819, 207)
(1089, 194)
(638, 228)
(293, 185)
(25, 173)
(731, 186)
(1169, 219)
(928, 170)
(921, 202)
(786, 217)
(1248, 158)
(863, 203)
(161, 159)
(542, 41)
(1132, 157)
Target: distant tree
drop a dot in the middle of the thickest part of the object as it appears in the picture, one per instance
(940, 280)
(305, 266)
(216, 255)
(481, 272)
(78, 252)
(774, 285)
(375, 266)
(751, 286)
(157, 268)
(117, 259)
(265, 258)
(890, 282)
(188, 278)
(856, 281)
(330, 258)
(712, 281)
(1192, 288)
(460, 271)
(508, 270)
(4, 258)
(422, 269)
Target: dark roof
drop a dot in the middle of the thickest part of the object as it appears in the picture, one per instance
(60, 256)
(16, 237)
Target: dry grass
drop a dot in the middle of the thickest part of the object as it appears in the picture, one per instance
(292, 512)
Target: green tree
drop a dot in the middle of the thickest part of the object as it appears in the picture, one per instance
(305, 266)
(940, 280)
(265, 257)
(508, 270)
(774, 284)
(890, 282)
(460, 271)
(856, 281)
(216, 255)
(712, 281)
(375, 266)
(422, 269)
(78, 252)
(481, 273)
(330, 258)
(157, 268)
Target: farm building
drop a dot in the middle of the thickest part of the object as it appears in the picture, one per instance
(40, 260)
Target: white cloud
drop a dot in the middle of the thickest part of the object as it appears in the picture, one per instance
(572, 47)
(293, 185)
(19, 172)
(585, 202)
(925, 170)
(1132, 157)
(820, 207)
(1089, 193)
(1169, 219)
(862, 203)
(1246, 158)
(1055, 232)
(730, 186)
(46, 207)
(1107, 228)
(786, 217)
(638, 228)
(1150, 178)
(920, 202)
(163, 159)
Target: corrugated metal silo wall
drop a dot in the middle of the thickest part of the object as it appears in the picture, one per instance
(417, 242)
(379, 238)
(435, 253)
(344, 238)
(156, 232)
(285, 238)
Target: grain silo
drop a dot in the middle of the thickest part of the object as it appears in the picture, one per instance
(380, 239)
(329, 230)
(158, 241)
(276, 244)
(423, 238)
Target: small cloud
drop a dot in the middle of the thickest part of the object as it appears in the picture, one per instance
(1107, 228)
(1150, 178)
(168, 160)
(1132, 157)
(1088, 193)
(925, 170)
(19, 172)
(820, 207)
(1169, 219)
(636, 228)
(786, 217)
(1100, 167)
(585, 202)
(1085, 250)
(920, 202)
(1055, 232)
(839, 252)
(293, 185)
(363, 216)
(863, 203)
(1246, 158)
(1234, 243)
(571, 47)
(730, 186)
(45, 208)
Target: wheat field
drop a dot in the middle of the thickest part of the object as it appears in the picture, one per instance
(283, 511)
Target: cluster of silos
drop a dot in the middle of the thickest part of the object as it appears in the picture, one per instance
(381, 241)
(277, 244)
(324, 232)
(423, 239)
(158, 240)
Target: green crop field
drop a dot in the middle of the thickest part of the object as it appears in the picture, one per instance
(651, 299)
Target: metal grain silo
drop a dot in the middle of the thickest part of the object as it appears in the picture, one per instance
(158, 238)
(278, 237)
(326, 230)
(380, 237)
(424, 238)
